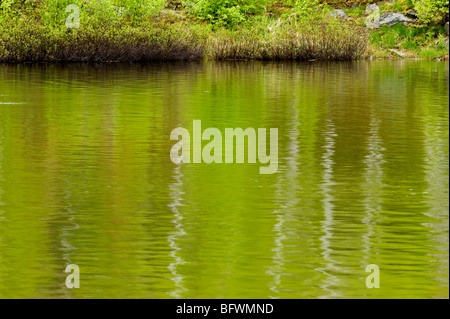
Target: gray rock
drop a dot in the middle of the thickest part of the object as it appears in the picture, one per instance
(373, 19)
(446, 27)
(372, 7)
(391, 18)
(338, 13)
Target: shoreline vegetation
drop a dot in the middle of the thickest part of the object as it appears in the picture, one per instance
(161, 30)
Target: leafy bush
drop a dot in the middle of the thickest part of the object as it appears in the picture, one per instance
(53, 12)
(430, 53)
(350, 3)
(307, 9)
(226, 13)
(432, 11)
(418, 40)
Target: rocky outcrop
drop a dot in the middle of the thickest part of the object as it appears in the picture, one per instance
(391, 18)
(372, 7)
(338, 13)
(373, 20)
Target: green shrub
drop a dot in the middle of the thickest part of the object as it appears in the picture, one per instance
(432, 11)
(389, 39)
(399, 5)
(53, 12)
(429, 53)
(307, 9)
(410, 45)
(226, 13)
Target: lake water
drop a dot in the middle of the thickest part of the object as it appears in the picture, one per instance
(86, 179)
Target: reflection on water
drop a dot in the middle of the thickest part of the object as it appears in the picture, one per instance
(288, 200)
(327, 184)
(179, 231)
(86, 179)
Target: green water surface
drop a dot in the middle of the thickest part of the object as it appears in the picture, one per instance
(86, 179)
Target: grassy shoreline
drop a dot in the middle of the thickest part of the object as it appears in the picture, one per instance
(28, 35)
(158, 40)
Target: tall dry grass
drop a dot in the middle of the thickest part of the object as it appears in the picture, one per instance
(31, 41)
(320, 41)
